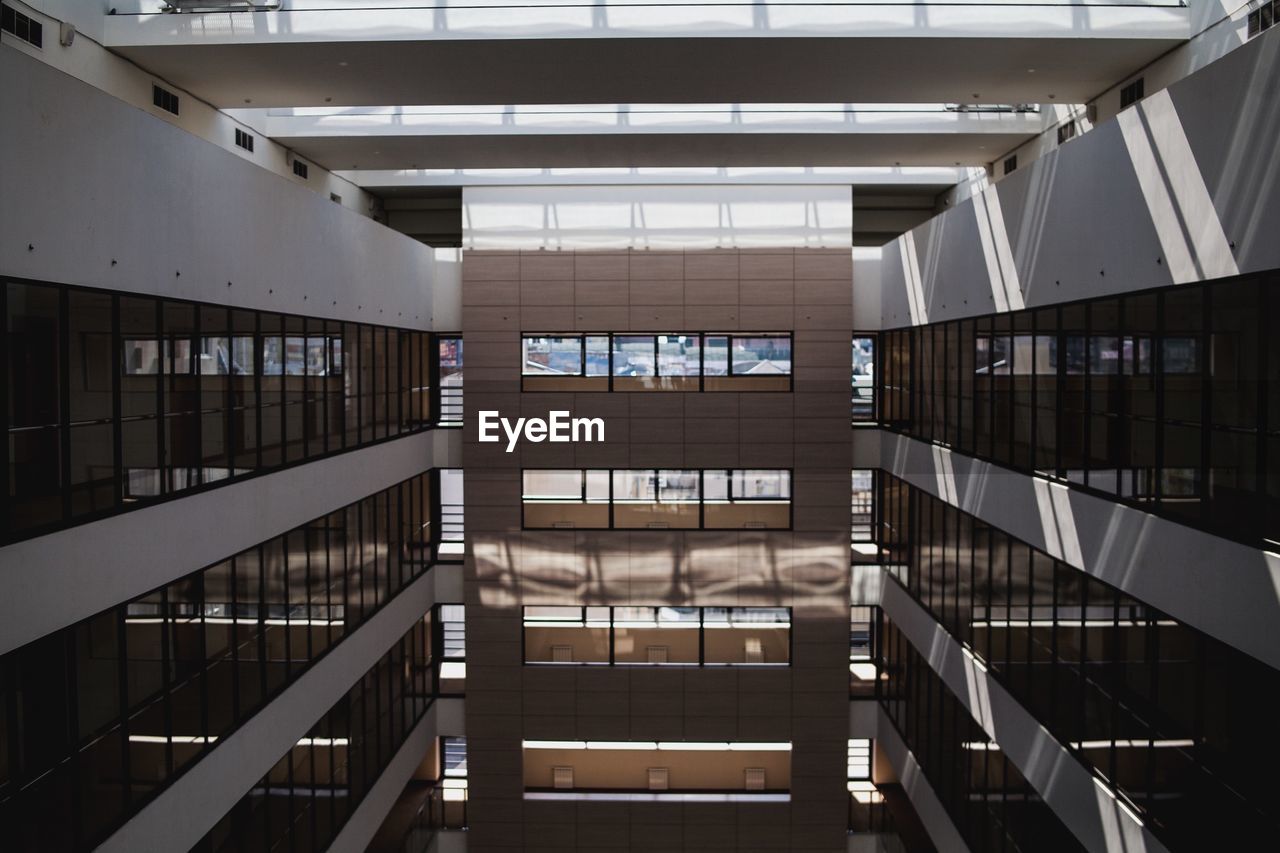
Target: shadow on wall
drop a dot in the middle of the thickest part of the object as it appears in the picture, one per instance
(563, 567)
(1178, 188)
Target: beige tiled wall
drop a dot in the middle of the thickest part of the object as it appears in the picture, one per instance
(808, 292)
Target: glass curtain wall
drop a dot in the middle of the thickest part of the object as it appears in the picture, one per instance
(97, 718)
(307, 797)
(113, 401)
(990, 803)
(1166, 717)
(1166, 399)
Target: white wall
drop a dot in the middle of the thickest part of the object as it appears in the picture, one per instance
(88, 179)
(1154, 197)
(657, 217)
(87, 60)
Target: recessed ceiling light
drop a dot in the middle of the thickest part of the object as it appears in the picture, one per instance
(328, 100)
(1031, 71)
(248, 100)
(1051, 97)
(976, 95)
(342, 64)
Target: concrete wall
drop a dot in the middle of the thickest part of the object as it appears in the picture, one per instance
(1182, 187)
(806, 568)
(90, 180)
(87, 60)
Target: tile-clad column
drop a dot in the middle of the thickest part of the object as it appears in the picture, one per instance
(807, 568)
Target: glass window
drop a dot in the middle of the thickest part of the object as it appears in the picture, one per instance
(864, 382)
(747, 635)
(655, 635)
(558, 485)
(715, 360)
(635, 485)
(761, 485)
(678, 486)
(598, 350)
(678, 355)
(762, 356)
(634, 355)
(552, 356)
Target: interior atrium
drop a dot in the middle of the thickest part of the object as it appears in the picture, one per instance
(655, 425)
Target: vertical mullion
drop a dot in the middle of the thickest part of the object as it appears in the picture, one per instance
(64, 398)
(1257, 528)
(233, 566)
(117, 427)
(5, 404)
(261, 616)
(229, 398)
(196, 406)
(1034, 439)
(122, 683)
(1061, 337)
(162, 460)
(203, 650)
(1157, 359)
(166, 659)
(73, 730)
(259, 350)
(360, 424)
(1206, 411)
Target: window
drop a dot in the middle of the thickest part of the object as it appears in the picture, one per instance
(656, 498)
(656, 362)
(1010, 163)
(313, 790)
(300, 169)
(657, 636)
(244, 140)
(197, 395)
(450, 381)
(155, 682)
(1068, 647)
(21, 26)
(1066, 130)
(1262, 18)
(1132, 93)
(674, 771)
(552, 356)
(164, 99)
(762, 356)
(863, 506)
(991, 803)
(1150, 397)
(864, 669)
(864, 382)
